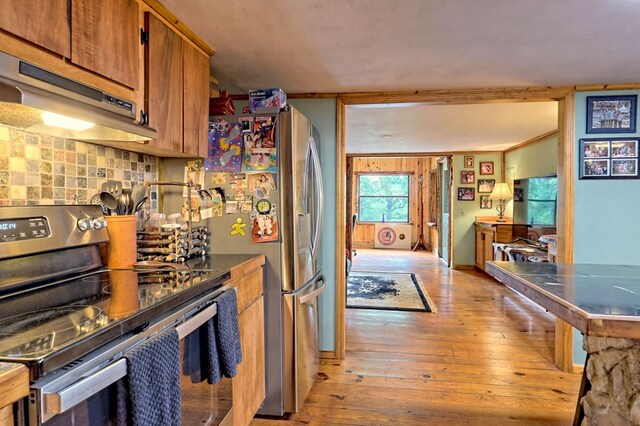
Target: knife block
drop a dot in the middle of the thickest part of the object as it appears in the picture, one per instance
(121, 248)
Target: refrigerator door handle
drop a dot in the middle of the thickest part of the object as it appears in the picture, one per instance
(320, 195)
(311, 296)
(305, 190)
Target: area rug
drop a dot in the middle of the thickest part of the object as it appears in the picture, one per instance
(390, 291)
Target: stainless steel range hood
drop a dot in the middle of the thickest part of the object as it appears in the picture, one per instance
(29, 94)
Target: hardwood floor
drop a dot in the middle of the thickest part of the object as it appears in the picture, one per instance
(486, 358)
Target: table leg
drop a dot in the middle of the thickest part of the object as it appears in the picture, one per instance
(585, 386)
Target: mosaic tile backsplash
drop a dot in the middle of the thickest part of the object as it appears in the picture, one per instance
(40, 169)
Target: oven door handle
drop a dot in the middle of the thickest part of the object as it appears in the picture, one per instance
(63, 400)
(59, 402)
(196, 321)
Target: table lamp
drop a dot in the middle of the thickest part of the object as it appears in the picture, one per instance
(501, 193)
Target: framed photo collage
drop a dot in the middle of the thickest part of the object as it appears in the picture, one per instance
(612, 158)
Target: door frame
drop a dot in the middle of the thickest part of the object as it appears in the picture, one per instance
(445, 190)
(566, 123)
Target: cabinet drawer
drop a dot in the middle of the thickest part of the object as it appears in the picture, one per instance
(249, 288)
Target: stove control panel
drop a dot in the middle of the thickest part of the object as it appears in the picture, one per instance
(24, 229)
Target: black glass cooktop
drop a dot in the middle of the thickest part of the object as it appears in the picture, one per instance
(56, 323)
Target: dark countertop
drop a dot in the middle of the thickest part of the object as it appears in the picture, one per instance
(599, 300)
(221, 262)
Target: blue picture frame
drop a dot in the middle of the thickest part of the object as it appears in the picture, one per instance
(611, 114)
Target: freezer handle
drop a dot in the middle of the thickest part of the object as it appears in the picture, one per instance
(320, 194)
(308, 297)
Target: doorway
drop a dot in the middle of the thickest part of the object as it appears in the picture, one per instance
(564, 97)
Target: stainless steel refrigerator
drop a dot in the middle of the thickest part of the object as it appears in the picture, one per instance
(293, 277)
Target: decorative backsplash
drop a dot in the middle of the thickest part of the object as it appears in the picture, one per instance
(40, 169)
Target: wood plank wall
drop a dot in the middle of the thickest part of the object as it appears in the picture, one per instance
(364, 233)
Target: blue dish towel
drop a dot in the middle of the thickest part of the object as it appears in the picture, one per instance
(153, 376)
(228, 333)
(191, 358)
(210, 360)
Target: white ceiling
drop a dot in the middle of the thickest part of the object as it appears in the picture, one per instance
(305, 46)
(411, 128)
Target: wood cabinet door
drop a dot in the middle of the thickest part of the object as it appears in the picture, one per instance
(249, 383)
(42, 22)
(163, 83)
(479, 248)
(489, 237)
(105, 38)
(196, 101)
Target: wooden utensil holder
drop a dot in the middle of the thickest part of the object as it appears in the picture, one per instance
(121, 248)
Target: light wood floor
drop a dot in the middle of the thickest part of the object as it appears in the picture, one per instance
(486, 358)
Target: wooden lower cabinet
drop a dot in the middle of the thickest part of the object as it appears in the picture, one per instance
(485, 238)
(489, 232)
(14, 385)
(249, 383)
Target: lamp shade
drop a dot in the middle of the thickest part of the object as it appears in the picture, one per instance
(501, 192)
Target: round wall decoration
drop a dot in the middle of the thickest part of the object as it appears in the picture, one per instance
(387, 236)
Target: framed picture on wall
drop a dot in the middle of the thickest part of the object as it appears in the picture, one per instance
(466, 194)
(485, 202)
(468, 161)
(468, 176)
(518, 194)
(611, 114)
(486, 167)
(486, 185)
(608, 158)
(624, 167)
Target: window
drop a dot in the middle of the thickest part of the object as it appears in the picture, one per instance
(383, 198)
(542, 200)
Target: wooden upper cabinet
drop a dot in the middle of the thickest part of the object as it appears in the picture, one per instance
(42, 22)
(196, 101)
(163, 83)
(105, 38)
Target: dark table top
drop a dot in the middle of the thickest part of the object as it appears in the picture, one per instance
(599, 300)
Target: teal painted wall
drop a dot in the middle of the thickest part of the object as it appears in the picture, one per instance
(606, 211)
(464, 212)
(322, 112)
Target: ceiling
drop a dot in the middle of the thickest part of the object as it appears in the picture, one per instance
(306, 46)
(415, 128)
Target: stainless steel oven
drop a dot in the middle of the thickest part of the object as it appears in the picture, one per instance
(72, 321)
(88, 390)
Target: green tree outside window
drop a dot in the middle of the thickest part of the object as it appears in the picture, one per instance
(542, 200)
(383, 198)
